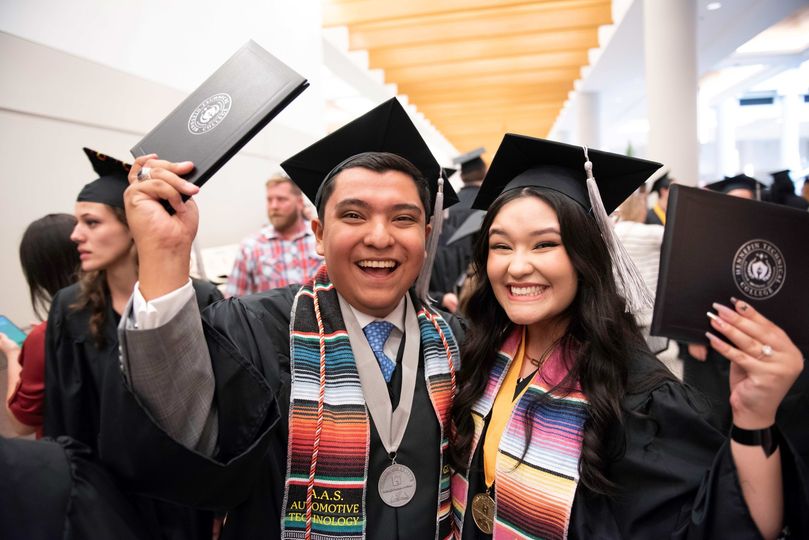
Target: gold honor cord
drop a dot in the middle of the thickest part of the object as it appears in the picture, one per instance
(483, 504)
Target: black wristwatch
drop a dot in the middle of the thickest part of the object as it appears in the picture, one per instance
(768, 438)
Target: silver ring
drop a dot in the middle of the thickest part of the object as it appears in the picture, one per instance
(144, 174)
(766, 350)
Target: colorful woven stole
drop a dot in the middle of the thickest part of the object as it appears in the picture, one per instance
(533, 498)
(329, 430)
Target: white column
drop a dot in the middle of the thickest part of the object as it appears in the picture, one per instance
(790, 121)
(727, 155)
(670, 41)
(588, 119)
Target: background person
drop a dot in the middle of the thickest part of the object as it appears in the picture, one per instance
(643, 242)
(657, 213)
(81, 349)
(50, 262)
(283, 252)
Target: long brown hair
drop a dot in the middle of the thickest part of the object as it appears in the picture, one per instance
(94, 293)
(49, 259)
(601, 336)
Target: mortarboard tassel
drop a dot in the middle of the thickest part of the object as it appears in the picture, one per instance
(436, 222)
(639, 298)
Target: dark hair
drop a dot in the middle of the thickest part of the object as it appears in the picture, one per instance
(473, 171)
(378, 162)
(781, 190)
(49, 258)
(600, 339)
(94, 292)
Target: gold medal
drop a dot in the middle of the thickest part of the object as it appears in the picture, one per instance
(483, 512)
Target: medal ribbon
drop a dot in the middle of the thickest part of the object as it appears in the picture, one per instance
(501, 413)
(390, 425)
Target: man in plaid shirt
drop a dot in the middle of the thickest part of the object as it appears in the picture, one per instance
(281, 253)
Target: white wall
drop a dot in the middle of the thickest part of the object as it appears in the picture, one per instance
(87, 73)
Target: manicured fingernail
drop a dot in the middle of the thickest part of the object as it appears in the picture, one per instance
(185, 163)
(716, 319)
(733, 300)
(711, 336)
(722, 309)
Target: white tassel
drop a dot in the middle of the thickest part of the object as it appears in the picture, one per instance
(436, 223)
(631, 284)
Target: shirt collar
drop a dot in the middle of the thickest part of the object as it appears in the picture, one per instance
(395, 317)
(270, 233)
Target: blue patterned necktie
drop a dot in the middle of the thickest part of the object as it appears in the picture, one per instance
(377, 334)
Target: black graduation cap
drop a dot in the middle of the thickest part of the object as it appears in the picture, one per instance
(112, 182)
(523, 161)
(385, 128)
(740, 181)
(470, 226)
(448, 172)
(470, 160)
(661, 183)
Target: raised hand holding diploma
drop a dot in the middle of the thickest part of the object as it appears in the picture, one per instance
(163, 240)
(764, 364)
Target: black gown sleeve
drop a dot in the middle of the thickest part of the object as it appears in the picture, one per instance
(53, 489)
(250, 370)
(69, 389)
(677, 479)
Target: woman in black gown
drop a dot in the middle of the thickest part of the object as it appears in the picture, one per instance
(82, 359)
(566, 425)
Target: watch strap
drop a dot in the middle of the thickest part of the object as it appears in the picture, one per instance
(768, 438)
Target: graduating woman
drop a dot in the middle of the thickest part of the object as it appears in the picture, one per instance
(566, 426)
(82, 360)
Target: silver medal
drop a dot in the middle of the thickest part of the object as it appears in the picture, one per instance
(397, 485)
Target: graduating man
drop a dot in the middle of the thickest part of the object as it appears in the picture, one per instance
(307, 412)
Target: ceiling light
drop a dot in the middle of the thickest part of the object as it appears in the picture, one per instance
(713, 6)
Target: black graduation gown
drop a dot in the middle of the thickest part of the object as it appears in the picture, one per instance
(711, 378)
(78, 374)
(52, 489)
(652, 218)
(676, 478)
(248, 339)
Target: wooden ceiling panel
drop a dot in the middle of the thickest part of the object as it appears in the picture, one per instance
(478, 48)
(536, 77)
(486, 129)
(496, 96)
(345, 12)
(460, 26)
(477, 68)
(481, 107)
(502, 113)
(487, 66)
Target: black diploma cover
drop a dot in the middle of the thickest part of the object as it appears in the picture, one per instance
(225, 112)
(716, 246)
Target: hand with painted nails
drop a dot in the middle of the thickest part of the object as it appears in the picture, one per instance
(764, 362)
(163, 240)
